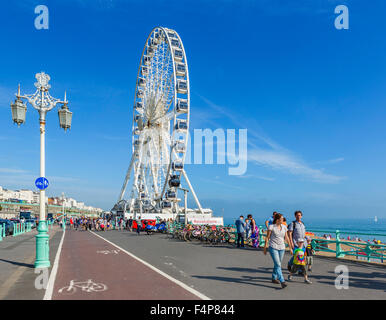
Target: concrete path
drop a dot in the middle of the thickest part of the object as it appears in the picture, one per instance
(17, 257)
(91, 268)
(128, 266)
(226, 272)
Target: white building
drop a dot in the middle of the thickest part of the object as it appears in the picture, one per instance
(2, 192)
(30, 196)
(24, 195)
(36, 197)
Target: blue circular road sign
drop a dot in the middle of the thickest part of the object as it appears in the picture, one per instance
(41, 183)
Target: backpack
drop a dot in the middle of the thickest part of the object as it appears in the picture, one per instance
(294, 227)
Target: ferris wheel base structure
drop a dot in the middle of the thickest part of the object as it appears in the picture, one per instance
(165, 214)
(160, 131)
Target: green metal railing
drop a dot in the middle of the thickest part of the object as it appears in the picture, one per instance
(358, 249)
(18, 229)
(341, 248)
(21, 228)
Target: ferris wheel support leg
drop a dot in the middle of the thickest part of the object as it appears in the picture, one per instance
(126, 178)
(192, 190)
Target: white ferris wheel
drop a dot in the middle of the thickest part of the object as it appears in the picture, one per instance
(160, 127)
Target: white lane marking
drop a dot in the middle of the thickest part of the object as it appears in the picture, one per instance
(51, 281)
(108, 251)
(181, 284)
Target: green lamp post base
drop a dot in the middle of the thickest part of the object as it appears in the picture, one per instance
(42, 246)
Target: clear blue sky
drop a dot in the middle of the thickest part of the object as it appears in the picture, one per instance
(312, 97)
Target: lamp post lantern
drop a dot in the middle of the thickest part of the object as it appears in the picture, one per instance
(42, 101)
(19, 109)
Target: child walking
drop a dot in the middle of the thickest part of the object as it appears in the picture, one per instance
(299, 263)
(309, 253)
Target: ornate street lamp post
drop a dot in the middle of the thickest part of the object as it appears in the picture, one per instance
(42, 101)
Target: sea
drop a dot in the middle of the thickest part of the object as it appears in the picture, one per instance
(347, 227)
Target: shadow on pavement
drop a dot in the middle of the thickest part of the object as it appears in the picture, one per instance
(241, 280)
(18, 263)
(259, 270)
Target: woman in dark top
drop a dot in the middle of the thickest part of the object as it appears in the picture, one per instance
(254, 230)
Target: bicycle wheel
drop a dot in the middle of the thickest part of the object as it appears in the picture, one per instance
(98, 287)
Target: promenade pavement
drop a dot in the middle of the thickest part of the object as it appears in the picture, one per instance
(123, 265)
(17, 258)
(227, 272)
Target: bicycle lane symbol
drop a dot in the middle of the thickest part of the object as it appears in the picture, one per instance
(108, 251)
(86, 286)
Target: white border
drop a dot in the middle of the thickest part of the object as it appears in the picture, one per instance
(51, 281)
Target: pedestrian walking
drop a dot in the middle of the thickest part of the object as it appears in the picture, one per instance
(254, 231)
(299, 261)
(122, 226)
(270, 220)
(247, 228)
(139, 227)
(240, 228)
(276, 238)
(297, 229)
(309, 253)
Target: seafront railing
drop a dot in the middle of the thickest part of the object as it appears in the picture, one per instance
(2, 231)
(340, 248)
(19, 228)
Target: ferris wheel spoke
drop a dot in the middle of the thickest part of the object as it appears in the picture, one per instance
(153, 171)
(166, 72)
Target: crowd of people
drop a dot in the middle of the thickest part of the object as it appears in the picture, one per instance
(96, 224)
(278, 234)
(104, 224)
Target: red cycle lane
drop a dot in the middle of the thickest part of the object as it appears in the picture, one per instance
(91, 269)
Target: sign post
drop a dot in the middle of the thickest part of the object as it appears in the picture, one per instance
(42, 238)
